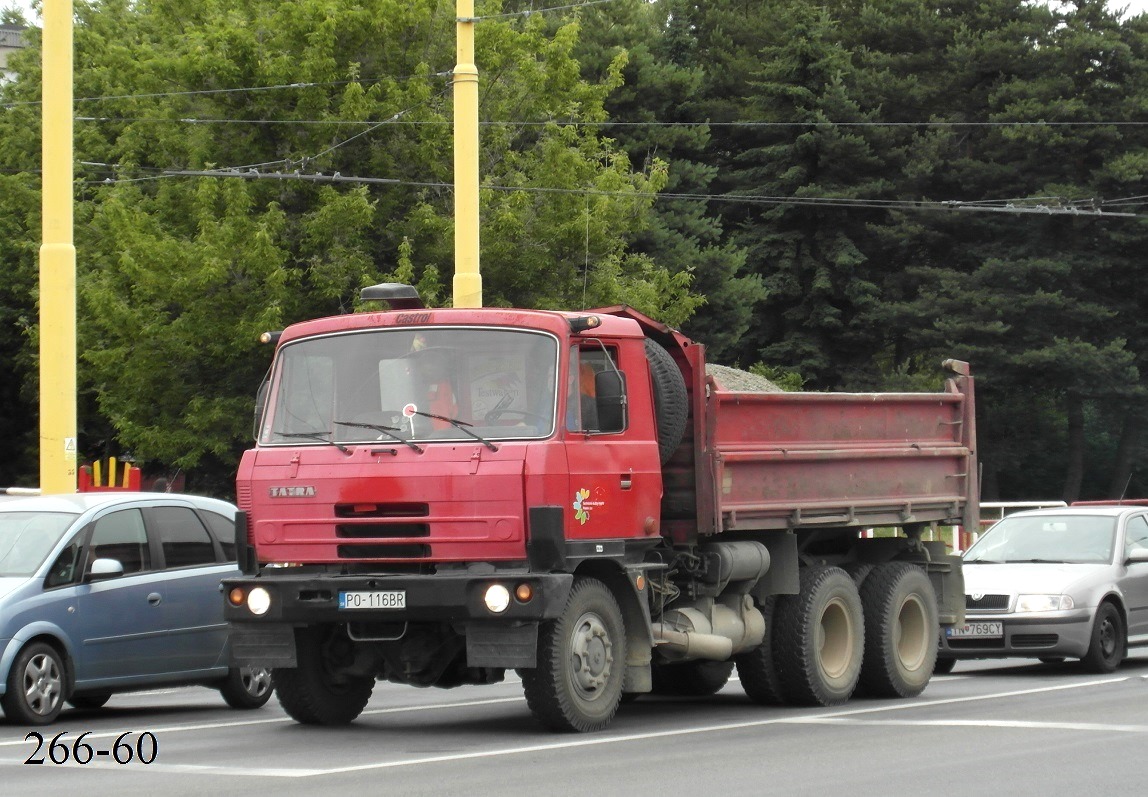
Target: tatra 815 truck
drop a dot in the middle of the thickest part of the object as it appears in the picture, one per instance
(437, 496)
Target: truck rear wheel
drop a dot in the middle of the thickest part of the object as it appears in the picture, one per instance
(314, 692)
(820, 638)
(757, 668)
(901, 629)
(691, 678)
(577, 685)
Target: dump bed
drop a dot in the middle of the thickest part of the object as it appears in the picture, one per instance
(794, 460)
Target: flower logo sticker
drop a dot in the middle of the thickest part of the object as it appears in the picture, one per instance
(581, 513)
(583, 506)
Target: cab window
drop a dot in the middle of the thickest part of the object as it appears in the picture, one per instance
(595, 393)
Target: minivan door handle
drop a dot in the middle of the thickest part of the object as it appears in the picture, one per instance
(154, 599)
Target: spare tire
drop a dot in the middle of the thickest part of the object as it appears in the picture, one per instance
(671, 402)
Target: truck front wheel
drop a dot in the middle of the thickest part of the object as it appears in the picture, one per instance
(577, 684)
(315, 692)
(900, 608)
(820, 638)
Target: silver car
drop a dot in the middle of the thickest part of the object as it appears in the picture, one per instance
(115, 591)
(1070, 582)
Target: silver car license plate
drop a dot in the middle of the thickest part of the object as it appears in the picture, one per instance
(975, 631)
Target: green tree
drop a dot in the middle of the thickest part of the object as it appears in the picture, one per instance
(289, 100)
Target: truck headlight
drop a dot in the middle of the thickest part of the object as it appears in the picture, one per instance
(497, 598)
(1043, 603)
(259, 601)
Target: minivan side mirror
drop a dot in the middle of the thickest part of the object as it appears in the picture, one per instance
(103, 569)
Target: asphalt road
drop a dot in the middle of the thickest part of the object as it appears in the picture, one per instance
(1013, 727)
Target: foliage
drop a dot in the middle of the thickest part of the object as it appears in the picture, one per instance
(179, 273)
(842, 193)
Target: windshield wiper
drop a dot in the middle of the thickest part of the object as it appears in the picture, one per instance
(389, 431)
(1035, 562)
(322, 437)
(460, 425)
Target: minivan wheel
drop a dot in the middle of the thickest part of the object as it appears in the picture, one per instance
(35, 693)
(247, 687)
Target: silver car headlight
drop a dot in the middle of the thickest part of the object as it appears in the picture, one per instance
(1043, 603)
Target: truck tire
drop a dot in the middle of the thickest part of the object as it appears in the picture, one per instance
(312, 693)
(671, 402)
(820, 638)
(577, 685)
(691, 678)
(901, 629)
(757, 668)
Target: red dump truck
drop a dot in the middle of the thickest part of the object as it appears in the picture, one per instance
(439, 495)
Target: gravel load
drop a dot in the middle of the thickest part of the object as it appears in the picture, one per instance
(736, 380)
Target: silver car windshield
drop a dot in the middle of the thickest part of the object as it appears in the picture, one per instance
(413, 385)
(1075, 539)
(26, 539)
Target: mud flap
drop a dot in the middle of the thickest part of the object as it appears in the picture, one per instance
(505, 645)
(949, 584)
(270, 645)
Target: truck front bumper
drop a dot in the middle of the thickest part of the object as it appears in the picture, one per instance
(308, 599)
(294, 600)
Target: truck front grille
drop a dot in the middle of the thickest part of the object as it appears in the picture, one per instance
(384, 551)
(382, 530)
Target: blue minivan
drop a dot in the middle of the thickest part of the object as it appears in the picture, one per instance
(111, 592)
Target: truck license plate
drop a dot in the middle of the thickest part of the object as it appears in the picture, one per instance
(975, 631)
(379, 599)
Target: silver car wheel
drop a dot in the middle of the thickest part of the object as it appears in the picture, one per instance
(43, 684)
(256, 680)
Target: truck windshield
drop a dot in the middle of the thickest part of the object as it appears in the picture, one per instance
(388, 385)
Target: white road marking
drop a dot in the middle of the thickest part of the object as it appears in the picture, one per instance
(283, 720)
(567, 744)
(1057, 726)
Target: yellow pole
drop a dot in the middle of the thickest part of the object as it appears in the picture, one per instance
(57, 259)
(467, 280)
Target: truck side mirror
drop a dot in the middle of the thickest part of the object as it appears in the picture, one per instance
(610, 393)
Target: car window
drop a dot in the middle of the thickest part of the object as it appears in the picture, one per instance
(224, 530)
(26, 539)
(65, 570)
(1074, 539)
(184, 540)
(1136, 535)
(121, 536)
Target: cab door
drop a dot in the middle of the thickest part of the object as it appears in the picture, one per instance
(615, 480)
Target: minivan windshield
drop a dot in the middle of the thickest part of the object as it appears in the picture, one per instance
(26, 539)
(413, 385)
(1073, 539)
